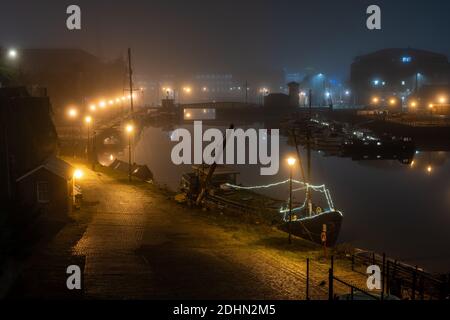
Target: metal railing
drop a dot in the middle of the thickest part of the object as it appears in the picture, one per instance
(402, 280)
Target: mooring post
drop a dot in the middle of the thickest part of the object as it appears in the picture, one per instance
(307, 278)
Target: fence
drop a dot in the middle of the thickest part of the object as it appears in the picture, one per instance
(398, 281)
(402, 280)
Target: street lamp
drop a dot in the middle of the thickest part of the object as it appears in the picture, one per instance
(291, 162)
(12, 54)
(93, 107)
(129, 129)
(72, 112)
(78, 174)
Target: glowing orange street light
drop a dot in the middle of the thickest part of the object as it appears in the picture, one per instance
(93, 107)
(442, 99)
(78, 174)
(375, 100)
(102, 104)
(392, 102)
(429, 169)
(72, 112)
(291, 161)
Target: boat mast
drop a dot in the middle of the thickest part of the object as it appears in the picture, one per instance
(308, 155)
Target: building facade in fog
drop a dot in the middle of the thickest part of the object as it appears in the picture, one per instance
(72, 76)
(391, 76)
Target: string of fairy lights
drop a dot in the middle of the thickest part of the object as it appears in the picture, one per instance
(304, 186)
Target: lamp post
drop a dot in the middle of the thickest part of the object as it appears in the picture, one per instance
(88, 120)
(129, 129)
(291, 163)
(77, 174)
(73, 113)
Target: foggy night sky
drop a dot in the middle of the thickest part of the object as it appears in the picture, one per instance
(170, 36)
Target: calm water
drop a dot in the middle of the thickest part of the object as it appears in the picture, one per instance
(403, 210)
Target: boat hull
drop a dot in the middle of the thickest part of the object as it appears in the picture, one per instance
(310, 228)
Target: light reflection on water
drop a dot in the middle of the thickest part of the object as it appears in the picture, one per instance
(403, 210)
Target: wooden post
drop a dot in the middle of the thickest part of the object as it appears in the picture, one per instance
(307, 278)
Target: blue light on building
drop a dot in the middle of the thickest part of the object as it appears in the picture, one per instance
(406, 59)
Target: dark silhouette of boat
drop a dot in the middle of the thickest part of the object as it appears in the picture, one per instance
(312, 227)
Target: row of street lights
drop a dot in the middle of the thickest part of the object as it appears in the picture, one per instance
(88, 120)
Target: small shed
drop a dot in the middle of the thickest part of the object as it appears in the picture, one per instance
(47, 188)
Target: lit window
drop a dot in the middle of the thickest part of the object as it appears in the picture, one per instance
(406, 59)
(43, 192)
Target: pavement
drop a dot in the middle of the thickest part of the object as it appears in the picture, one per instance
(134, 243)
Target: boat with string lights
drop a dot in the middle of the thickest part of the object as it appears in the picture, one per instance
(316, 221)
(214, 186)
